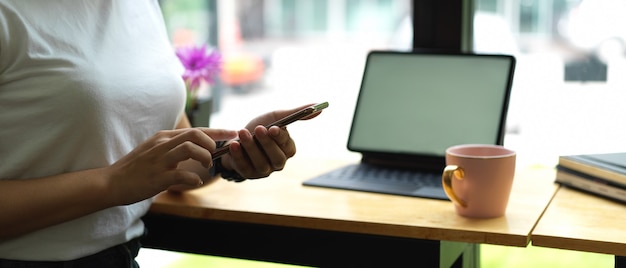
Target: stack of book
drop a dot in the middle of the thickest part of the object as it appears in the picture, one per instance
(600, 174)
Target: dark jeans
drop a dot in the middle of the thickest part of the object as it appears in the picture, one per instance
(122, 256)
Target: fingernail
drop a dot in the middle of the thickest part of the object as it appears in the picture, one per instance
(248, 135)
(275, 133)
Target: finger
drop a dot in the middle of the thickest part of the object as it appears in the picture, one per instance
(283, 113)
(219, 134)
(283, 140)
(239, 160)
(313, 115)
(196, 135)
(187, 150)
(255, 154)
(178, 176)
(159, 138)
(271, 148)
(274, 116)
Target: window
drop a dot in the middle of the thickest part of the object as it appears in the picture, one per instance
(569, 81)
(284, 53)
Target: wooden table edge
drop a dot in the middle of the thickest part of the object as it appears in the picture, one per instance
(575, 244)
(347, 226)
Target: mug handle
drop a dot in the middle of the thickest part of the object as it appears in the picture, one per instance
(449, 172)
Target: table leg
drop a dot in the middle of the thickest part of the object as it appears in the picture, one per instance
(459, 255)
(620, 261)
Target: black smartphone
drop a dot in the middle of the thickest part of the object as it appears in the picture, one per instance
(221, 151)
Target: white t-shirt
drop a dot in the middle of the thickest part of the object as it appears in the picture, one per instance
(81, 84)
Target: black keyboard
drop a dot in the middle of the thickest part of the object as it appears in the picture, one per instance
(369, 178)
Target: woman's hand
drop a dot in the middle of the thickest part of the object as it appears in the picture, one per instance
(154, 165)
(266, 152)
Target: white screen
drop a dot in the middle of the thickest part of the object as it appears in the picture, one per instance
(423, 103)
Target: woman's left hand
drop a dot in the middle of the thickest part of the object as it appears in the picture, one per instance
(267, 151)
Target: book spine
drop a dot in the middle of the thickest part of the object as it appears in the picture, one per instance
(561, 169)
(592, 185)
(594, 169)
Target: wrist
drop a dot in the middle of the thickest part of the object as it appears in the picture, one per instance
(224, 168)
(226, 173)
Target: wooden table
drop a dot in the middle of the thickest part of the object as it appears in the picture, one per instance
(279, 220)
(578, 221)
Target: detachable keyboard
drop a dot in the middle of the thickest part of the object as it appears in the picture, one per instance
(370, 178)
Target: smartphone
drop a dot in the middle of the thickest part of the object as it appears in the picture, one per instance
(280, 123)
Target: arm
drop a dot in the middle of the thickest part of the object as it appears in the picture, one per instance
(31, 204)
(28, 205)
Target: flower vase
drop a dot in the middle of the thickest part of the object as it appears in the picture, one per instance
(200, 113)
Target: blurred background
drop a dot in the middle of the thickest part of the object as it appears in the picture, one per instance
(567, 97)
(279, 53)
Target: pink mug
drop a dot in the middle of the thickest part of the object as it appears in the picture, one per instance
(478, 179)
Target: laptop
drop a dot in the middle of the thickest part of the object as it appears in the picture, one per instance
(411, 107)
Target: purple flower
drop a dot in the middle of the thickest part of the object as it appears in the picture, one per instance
(199, 65)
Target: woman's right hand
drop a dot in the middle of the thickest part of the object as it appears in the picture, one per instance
(154, 165)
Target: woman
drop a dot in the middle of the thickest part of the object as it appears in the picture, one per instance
(92, 127)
